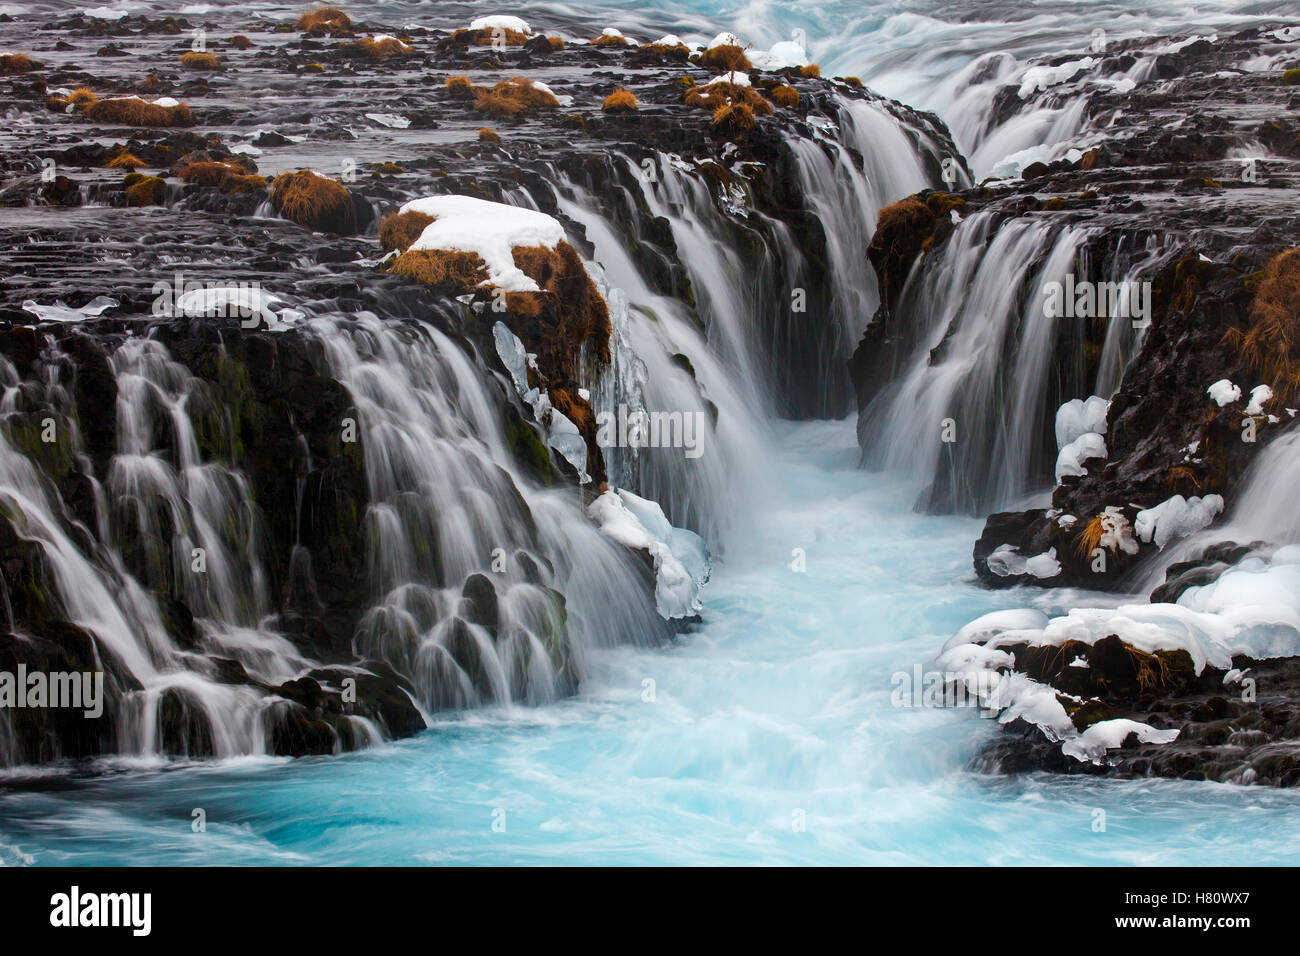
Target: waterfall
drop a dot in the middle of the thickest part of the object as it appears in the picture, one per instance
(452, 525)
(969, 417)
(89, 583)
(1262, 512)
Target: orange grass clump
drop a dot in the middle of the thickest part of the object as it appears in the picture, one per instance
(313, 201)
(230, 177)
(133, 111)
(713, 96)
(459, 86)
(621, 101)
(556, 43)
(485, 36)
(1270, 348)
(398, 230)
(783, 95)
(909, 213)
(676, 50)
(193, 60)
(78, 100)
(733, 118)
(240, 42)
(486, 135)
(583, 316)
(461, 271)
(811, 71)
(513, 97)
(1089, 539)
(126, 160)
(725, 58)
(323, 19)
(610, 39)
(383, 47)
(12, 64)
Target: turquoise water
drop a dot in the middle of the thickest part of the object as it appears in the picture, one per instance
(777, 710)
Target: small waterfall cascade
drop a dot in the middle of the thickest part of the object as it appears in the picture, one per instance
(859, 163)
(462, 550)
(969, 415)
(162, 696)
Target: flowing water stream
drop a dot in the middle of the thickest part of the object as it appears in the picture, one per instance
(769, 734)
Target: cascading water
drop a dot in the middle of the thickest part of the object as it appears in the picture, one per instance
(967, 417)
(484, 587)
(450, 516)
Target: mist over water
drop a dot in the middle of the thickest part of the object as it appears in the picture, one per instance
(768, 734)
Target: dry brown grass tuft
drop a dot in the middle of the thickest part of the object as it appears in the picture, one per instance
(783, 95)
(1270, 348)
(733, 118)
(582, 314)
(231, 177)
(811, 71)
(193, 60)
(381, 49)
(522, 89)
(11, 64)
(1089, 539)
(853, 81)
(486, 135)
(725, 58)
(676, 51)
(324, 19)
(621, 101)
(713, 96)
(127, 160)
(527, 304)
(513, 97)
(79, 99)
(606, 39)
(497, 105)
(313, 201)
(132, 111)
(556, 43)
(398, 230)
(906, 213)
(240, 42)
(459, 86)
(461, 271)
(485, 37)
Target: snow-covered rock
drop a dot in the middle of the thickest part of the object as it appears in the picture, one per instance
(1177, 517)
(1224, 392)
(1080, 416)
(500, 22)
(1069, 461)
(491, 229)
(681, 561)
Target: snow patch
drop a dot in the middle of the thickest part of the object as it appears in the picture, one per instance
(1091, 745)
(1177, 517)
(1071, 458)
(1080, 416)
(491, 229)
(1224, 392)
(682, 562)
(500, 22)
